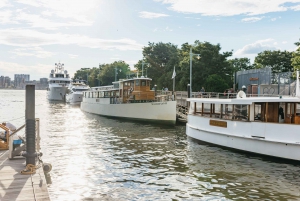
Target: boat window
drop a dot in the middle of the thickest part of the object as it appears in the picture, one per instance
(148, 82)
(51, 75)
(57, 81)
(240, 112)
(125, 83)
(143, 82)
(137, 83)
(106, 94)
(227, 111)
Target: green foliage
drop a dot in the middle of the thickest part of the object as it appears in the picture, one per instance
(104, 74)
(216, 83)
(239, 64)
(279, 61)
(212, 61)
(161, 59)
(296, 57)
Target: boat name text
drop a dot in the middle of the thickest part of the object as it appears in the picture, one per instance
(218, 123)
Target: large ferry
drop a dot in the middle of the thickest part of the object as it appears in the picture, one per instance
(75, 91)
(132, 99)
(59, 81)
(262, 125)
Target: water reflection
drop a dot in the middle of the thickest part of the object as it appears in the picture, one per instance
(99, 158)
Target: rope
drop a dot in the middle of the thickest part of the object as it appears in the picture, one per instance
(30, 169)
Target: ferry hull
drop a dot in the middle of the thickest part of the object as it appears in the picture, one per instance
(57, 93)
(277, 140)
(163, 112)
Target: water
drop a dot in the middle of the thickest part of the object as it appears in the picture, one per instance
(98, 158)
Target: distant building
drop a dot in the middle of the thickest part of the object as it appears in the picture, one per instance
(5, 82)
(20, 80)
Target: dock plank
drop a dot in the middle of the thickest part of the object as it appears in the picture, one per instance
(15, 186)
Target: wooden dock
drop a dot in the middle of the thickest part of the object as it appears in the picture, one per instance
(15, 186)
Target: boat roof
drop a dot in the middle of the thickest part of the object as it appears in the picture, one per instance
(247, 100)
(132, 79)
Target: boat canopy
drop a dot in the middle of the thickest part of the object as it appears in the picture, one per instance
(245, 101)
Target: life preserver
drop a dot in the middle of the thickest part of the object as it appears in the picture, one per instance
(131, 89)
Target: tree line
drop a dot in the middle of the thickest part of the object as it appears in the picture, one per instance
(214, 70)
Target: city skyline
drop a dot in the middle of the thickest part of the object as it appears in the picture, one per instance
(36, 34)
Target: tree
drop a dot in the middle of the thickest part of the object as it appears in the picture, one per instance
(211, 62)
(296, 57)
(104, 74)
(239, 64)
(162, 58)
(279, 61)
(215, 83)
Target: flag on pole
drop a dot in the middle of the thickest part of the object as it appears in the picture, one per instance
(174, 73)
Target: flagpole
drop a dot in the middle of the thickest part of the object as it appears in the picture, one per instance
(173, 85)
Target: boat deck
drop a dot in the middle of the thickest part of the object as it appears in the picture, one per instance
(15, 186)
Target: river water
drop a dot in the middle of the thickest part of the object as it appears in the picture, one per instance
(99, 158)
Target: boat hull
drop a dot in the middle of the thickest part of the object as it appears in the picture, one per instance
(272, 139)
(74, 98)
(163, 112)
(57, 93)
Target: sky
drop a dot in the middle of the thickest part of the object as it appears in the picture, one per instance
(36, 34)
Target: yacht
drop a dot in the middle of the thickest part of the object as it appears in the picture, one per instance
(131, 99)
(75, 91)
(59, 81)
(262, 125)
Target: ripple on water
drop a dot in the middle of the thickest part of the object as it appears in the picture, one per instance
(101, 158)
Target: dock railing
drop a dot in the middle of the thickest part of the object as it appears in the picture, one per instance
(16, 146)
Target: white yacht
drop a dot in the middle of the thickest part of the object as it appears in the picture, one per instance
(59, 81)
(75, 91)
(262, 125)
(131, 99)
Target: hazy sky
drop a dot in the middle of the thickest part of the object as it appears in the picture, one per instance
(36, 34)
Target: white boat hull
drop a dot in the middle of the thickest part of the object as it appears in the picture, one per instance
(74, 98)
(149, 111)
(272, 139)
(57, 93)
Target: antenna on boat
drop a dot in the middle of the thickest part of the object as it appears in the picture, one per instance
(297, 84)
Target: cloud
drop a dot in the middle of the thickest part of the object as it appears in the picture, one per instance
(256, 47)
(31, 38)
(6, 17)
(252, 19)
(149, 15)
(296, 8)
(36, 70)
(49, 14)
(229, 7)
(37, 21)
(73, 56)
(32, 51)
(4, 3)
(70, 9)
(275, 18)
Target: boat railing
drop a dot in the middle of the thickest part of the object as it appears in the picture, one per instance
(16, 144)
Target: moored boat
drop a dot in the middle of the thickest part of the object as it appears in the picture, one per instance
(132, 99)
(59, 81)
(263, 125)
(75, 91)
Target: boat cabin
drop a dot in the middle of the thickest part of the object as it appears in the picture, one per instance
(258, 109)
(125, 91)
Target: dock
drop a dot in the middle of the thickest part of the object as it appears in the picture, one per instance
(19, 187)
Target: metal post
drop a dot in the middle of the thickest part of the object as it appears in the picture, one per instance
(189, 90)
(191, 57)
(142, 68)
(30, 124)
